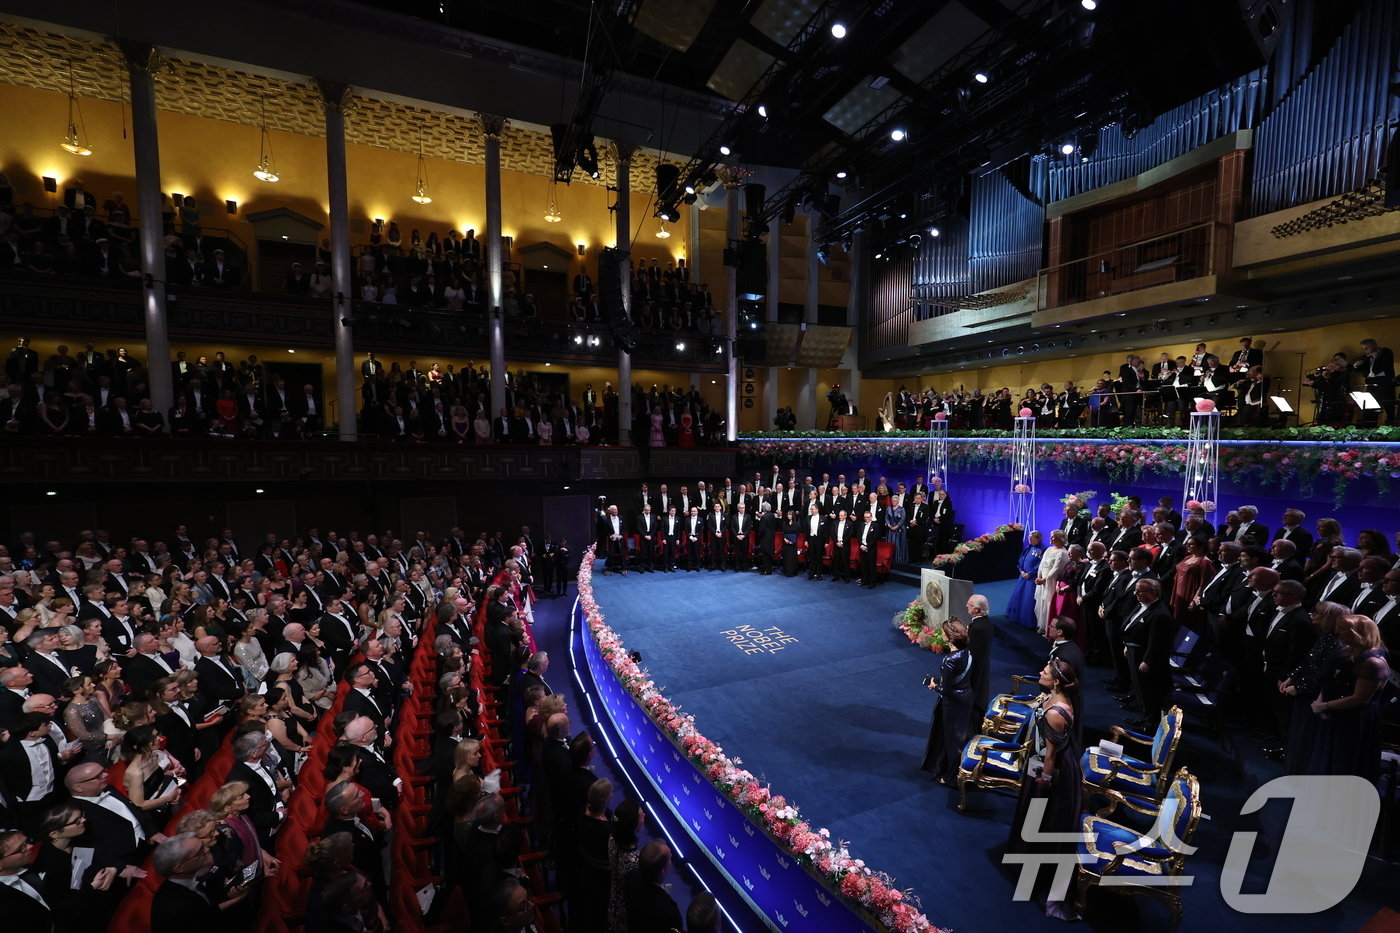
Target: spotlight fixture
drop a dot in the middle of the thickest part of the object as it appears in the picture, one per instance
(578, 339)
(689, 189)
(879, 255)
(680, 345)
(763, 111)
(421, 195)
(934, 231)
(663, 233)
(838, 30)
(1067, 149)
(267, 167)
(1090, 5)
(551, 210)
(76, 139)
(724, 150)
(898, 134)
(981, 77)
(841, 174)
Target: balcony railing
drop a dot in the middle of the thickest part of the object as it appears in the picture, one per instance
(83, 311)
(1185, 254)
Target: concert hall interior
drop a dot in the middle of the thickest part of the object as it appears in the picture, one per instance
(699, 465)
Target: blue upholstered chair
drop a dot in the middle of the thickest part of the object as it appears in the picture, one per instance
(1139, 862)
(991, 762)
(1008, 712)
(1140, 778)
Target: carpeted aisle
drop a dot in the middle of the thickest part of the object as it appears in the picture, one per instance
(809, 683)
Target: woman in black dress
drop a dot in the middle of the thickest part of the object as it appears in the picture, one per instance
(790, 530)
(1051, 773)
(952, 717)
(1348, 739)
(1305, 683)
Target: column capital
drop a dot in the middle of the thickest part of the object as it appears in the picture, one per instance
(140, 57)
(334, 94)
(732, 175)
(623, 152)
(491, 124)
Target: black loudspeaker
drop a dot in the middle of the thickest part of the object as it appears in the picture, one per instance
(666, 178)
(753, 268)
(751, 350)
(754, 195)
(612, 266)
(1170, 55)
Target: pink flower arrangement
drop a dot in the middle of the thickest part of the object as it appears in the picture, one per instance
(832, 861)
(1121, 460)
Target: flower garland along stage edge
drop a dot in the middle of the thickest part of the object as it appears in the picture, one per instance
(1269, 464)
(832, 862)
(979, 543)
(913, 622)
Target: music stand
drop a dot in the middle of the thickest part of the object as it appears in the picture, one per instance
(1365, 401)
(1284, 409)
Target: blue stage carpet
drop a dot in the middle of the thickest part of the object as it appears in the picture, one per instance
(831, 711)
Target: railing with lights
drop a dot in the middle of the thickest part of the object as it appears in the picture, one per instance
(1185, 254)
(97, 310)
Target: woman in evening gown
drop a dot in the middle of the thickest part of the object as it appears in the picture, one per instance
(952, 717)
(1047, 577)
(1051, 772)
(1021, 608)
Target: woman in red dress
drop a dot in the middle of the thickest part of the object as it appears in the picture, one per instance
(1192, 574)
(687, 432)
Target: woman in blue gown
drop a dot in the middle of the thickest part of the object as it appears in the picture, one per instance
(1021, 608)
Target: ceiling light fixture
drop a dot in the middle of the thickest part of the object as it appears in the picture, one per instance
(421, 195)
(838, 30)
(267, 166)
(1090, 5)
(763, 111)
(76, 139)
(933, 231)
(551, 210)
(981, 77)
(663, 233)
(724, 150)
(898, 135)
(840, 174)
(1067, 149)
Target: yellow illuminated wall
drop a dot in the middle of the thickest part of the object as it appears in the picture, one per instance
(213, 160)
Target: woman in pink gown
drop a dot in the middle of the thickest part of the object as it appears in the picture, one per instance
(658, 437)
(1065, 602)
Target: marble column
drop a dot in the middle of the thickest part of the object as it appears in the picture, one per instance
(493, 126)
(141, 64)
(335, 96)
(622, 216)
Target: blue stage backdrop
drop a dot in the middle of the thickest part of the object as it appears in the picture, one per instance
(982, 500)
(770, 879)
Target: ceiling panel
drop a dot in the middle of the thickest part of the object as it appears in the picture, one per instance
(859, 105)
(947, 33)
(742, 66)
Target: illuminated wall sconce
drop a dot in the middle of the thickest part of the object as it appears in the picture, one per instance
(231, 206)
(582, 250)
(50, 184)
(177, 197)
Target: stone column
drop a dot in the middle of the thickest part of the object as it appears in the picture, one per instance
(141, 63)
(806, 408)
(731, 299)
(623, 218)
(493, 126)
(692, 247)
(335, 96)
